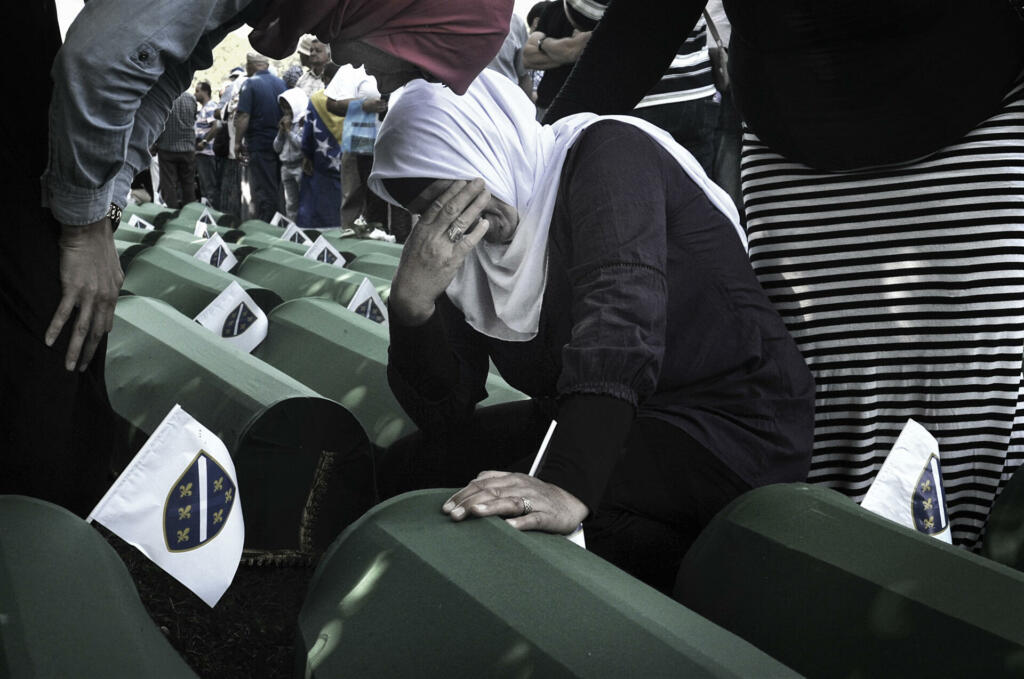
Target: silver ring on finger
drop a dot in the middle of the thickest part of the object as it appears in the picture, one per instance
(527, 505)
(454, 233)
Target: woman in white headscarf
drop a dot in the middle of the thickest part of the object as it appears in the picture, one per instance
(605, 276)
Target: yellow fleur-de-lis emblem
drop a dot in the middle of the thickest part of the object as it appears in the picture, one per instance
(218, 484)
(183, 535)
(186, 489)
(929, 523)
(218, 516)
(926, 486)
(928, 503)
(185, 512)
(228, 494)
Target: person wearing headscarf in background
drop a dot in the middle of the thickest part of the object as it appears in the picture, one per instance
(291, 75)
(320, 198)
(606, 277)
(112, 84)
(882, 186)
(288, 145)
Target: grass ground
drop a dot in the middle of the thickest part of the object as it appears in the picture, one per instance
(251, 632)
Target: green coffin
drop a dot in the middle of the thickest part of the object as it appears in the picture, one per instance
(293, 276)
(133, 234)
(405, 592)
(1004, 532)
(68, 607)
(267, 240)
(151, 212)
(363, 246)
(184, 282)
(375, 264)
(254, 226)
(276, 429)
(193, 210)
(188, 226)
(833, 590)
(344, 357)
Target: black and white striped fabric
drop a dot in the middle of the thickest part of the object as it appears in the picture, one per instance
(904, 288)
(689, 76)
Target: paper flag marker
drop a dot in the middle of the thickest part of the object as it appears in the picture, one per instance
(236, 318)
(322, 251)
(215, 251)
(140, 223)
(296, 235)
(367, 303)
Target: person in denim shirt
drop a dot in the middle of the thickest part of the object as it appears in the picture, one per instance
(606, 276)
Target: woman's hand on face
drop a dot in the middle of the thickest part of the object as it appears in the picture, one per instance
(509, 494)
(437, 246)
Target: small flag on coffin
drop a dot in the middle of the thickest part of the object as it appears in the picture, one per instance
(177, 502)
(280, 220)
(204, 201)
(216, 253)
(908, 488)
(140, 223)
(367, 303)
(206, 217)
(296, 235)
(236, 318)
(322, 251)
(201, 231)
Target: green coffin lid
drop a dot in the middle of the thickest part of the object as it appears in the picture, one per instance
(363, 246)
(375, 264)
(833, 590)
(184, 282)
(274, 427)
(1004, 532)
(193, 210)
(69, 607)
(127, 251)
(188, 225)
(151, 212)
(267, 240)
(405, 592)
(293, 276)
(344, 356)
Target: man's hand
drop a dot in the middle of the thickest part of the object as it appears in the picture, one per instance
(494, 493)
(375, 105)
(90, 276)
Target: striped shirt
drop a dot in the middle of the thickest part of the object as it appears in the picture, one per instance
(689, 77)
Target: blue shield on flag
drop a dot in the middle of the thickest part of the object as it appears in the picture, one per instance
(198, 504)
(327, 256)
(238, 321)
(928, 501)
(369, 310)
(218, 256)
(297, 237)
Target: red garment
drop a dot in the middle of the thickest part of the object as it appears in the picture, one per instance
(453, 40)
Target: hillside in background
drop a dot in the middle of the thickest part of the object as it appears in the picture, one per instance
(230, 53)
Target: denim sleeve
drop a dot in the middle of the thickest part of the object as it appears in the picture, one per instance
(614, 202)
(119, 71)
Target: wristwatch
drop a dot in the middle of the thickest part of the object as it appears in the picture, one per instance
(114, 213)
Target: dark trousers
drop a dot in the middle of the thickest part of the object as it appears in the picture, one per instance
(357, 198)
(207, 167)
(265, 184)
(665, 488)
(57, 429)
(728, 146)
(177, 177)
(231, 187)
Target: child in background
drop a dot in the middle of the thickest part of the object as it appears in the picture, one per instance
(288, 145)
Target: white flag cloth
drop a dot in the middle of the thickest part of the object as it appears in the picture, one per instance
(322, 251)
(201, 231)
(235, 317)
(296, 235)
(140, 223)
(204, 201)
(206, 217)
(908, 488)
(215, 252)
(178, 503)
(366, 302)
(280, 220)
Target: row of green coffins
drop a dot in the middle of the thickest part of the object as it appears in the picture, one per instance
(787, 580)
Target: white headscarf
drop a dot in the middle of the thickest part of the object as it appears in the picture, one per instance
(298, 101)
(491, 132)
